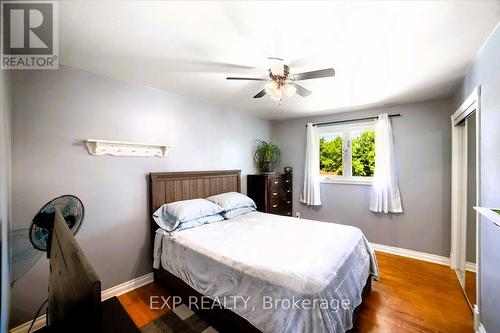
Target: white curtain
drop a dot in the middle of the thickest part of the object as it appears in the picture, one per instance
(311, 193)
(385, 195)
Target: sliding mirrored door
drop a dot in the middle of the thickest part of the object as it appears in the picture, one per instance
(466, 196)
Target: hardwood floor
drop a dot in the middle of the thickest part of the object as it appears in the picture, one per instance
(137, 303)
(470, 286)
(414, 296)
(411, 296)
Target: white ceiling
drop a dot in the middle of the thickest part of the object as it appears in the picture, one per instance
(383, 52)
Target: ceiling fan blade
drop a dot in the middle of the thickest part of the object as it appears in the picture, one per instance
(301, 90)
(260, 93)
(245, 78)
(176, 65)
(314, 74)
(300, 62)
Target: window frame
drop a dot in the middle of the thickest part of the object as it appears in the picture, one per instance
(346, 130)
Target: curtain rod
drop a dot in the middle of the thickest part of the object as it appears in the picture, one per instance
(352, 120)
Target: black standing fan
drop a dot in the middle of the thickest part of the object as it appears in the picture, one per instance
(24, 254)
(41, 227)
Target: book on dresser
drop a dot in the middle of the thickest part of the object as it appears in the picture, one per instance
(271, 193)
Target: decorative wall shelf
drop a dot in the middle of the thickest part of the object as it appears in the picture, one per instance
(121, 148)
(490, 214)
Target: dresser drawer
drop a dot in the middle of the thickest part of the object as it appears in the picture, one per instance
(281, 208)
(277, 199)
(276, 207)
(275, 183)
(271, 193)
(276, 193)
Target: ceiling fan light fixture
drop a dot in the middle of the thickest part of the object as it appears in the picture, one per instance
(281, 81)
(289, 90)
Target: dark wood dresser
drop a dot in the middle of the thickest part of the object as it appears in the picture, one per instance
(271, 193)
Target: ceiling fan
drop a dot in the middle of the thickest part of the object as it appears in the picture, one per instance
(281, 80)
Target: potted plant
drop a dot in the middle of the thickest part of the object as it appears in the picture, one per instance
(267, 156)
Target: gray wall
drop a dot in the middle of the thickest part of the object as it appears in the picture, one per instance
(485, 72)
(5, 179)
(423, 146)
(54, 110)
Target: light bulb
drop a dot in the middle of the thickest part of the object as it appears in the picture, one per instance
(289, 90)
(276, 94)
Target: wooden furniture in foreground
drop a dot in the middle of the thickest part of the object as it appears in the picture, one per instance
(167, 187)
(75, 290)
(271, 193)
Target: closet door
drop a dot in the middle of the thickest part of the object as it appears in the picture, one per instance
(465, 227)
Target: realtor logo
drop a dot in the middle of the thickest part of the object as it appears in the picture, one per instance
(29, 35)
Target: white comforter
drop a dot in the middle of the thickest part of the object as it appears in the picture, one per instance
(281, 274)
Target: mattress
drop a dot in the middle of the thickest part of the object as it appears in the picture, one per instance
(282, 274)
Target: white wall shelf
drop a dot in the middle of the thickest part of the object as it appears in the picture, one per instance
(122, 148)
(490, 214)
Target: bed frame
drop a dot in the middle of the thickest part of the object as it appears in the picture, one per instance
(166, 187)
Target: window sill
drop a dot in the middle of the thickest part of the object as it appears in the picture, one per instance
(366, 182)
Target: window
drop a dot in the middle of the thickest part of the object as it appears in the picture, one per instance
(347, 153)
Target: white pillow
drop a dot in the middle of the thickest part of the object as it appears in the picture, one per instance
(232, 200)
(170, 215)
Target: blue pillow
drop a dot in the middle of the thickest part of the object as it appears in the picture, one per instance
(237, 212)
(170, 216)
(232, 200)
(197, 222)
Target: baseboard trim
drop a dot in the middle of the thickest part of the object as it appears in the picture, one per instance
(127, 286)
(434, 258)
(481, 329)
(477, 323)
(105, 294)
(471, 267)
(411, 254)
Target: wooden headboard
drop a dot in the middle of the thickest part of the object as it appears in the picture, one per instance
(167, 187)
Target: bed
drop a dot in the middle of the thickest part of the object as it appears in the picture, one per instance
(253, 268)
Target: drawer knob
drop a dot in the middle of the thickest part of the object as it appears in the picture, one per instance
(288, 202)
(276, 182)
(288, 191)
(287, 181)
(275, 193)
(274, 206)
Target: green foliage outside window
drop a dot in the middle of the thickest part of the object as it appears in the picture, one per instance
(330, 156)
(363, 154)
